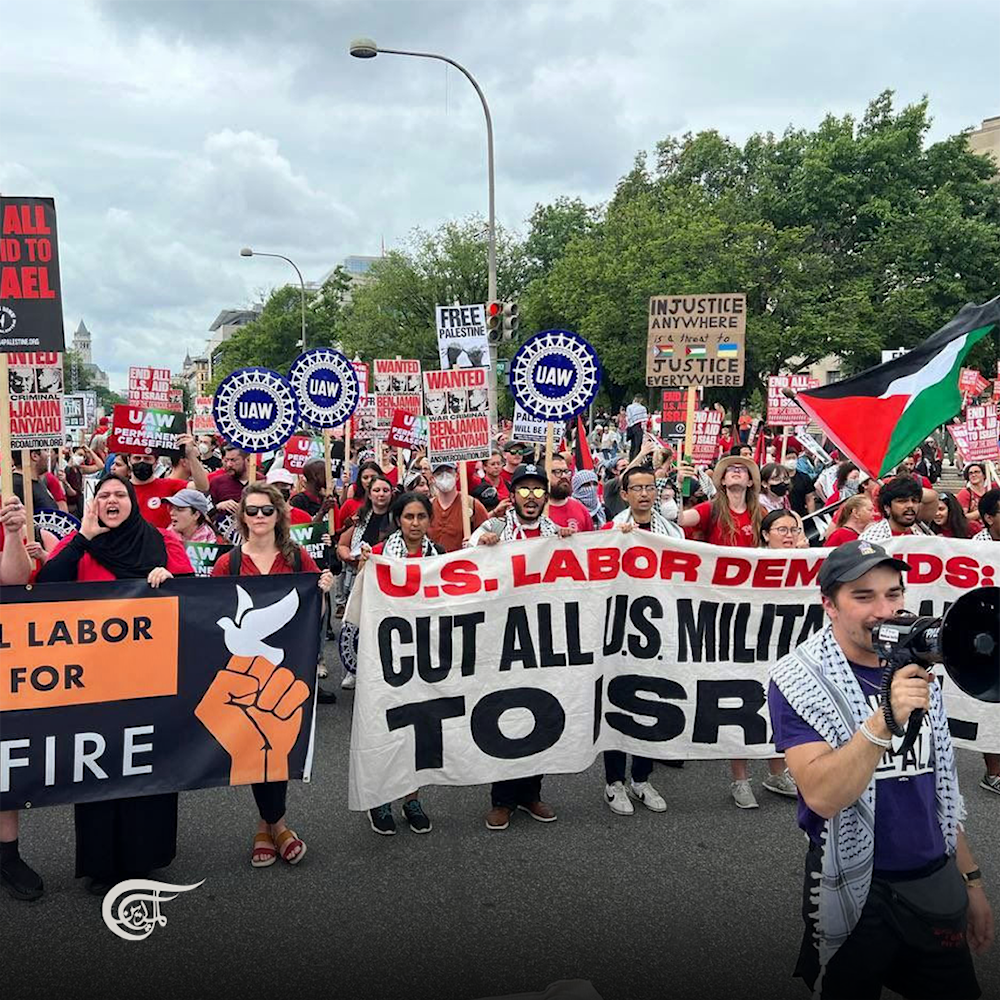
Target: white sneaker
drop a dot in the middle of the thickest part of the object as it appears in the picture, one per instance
(648, 796)
(990, 782)
(742, 794)
(322, 672)
(618, 800)
(782, 784)
(348, 682)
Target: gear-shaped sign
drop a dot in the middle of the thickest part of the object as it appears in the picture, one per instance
(58, 522)
(326, 385)
(555, 375)
(347, 645)
(255, 409)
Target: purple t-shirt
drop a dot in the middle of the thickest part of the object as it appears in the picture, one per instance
(907, 832)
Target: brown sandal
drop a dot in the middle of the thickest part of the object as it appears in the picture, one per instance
(287, 841)
(264, 852)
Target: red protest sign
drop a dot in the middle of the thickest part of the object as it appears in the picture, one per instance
(782, 411)
(705, 438)
(141, 430)
(361, 370)
(674, 416)
(981, 435)
(458, 439)
(301, 449)
(408, 430)
(150, 387)
(967, 379)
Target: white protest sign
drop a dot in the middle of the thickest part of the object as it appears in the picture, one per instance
(462, 340)
(458, 439)
(526, 428)
(460, 390)
(35, 379)
(531, 657)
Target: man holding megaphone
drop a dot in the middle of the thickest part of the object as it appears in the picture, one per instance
(893, 896)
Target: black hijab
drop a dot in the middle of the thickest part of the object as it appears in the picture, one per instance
(134, 548)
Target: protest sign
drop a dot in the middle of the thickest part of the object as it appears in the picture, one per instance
(204, 555)
(74, 407)
(458, 439)
(35, 379)
(812, 445)
(782, 411)
(30, 291)
(460, 390)
(326, 385)
(58, 522)
(981, 434)
(696, 340)
(387, 404)
(142, 431)
(256, 409)
(554, 375)
(968, 380)
(203, 422)
(462, 340)
(310, 537)
(300, 449)
(361, 371)
(705, 439)
(408, 430)
(363, 421)
(534, 656)
(80, 722)
(960, 437)
(526, 428)
(674, 418)
(397, 375)
(150, 387)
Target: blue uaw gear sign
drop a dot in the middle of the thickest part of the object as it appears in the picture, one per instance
(255, 409)
(326, 385)
(555, 375)
(58, 522)
(347, 644)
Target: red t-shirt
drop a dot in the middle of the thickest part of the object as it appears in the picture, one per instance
(150, 496)
(714, 532)
(224, 487)
(571, 514)
(297, 515)
(840, 535)
(968, 500)
(249, 568)
(347, 510)
(55, 487)
(89, 570)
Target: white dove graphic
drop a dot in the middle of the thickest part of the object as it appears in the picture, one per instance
(244, 636)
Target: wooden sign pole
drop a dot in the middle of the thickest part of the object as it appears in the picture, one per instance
(328, 462)
(549, 445)
(463, 499)
(252, 467)
(26, 482)
(688, 437)
(6, 469)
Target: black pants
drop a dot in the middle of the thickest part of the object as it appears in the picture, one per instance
(880, 952)
(516, 792)
(634, 436)
(614, 767)
(270, 797)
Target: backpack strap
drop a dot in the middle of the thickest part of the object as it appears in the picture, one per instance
(297, 559)
(235, 560)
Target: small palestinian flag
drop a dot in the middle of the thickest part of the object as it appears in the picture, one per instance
(878, 417)
(698, 351)
(663, 350)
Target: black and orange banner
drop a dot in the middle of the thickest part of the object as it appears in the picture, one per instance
(109, 690)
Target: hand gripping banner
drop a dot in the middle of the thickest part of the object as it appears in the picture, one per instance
(532, 657)
(109, 690)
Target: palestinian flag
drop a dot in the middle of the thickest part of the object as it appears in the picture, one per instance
(584, 460)
(878, 417)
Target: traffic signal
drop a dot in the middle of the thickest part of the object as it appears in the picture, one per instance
(494, 321)
(511, 319)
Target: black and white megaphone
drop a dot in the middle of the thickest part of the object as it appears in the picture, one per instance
(965, 640)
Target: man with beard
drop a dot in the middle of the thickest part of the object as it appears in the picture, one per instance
(150, 493)
(564, 509)
(899, 500)
(227, 487)
(526, 520)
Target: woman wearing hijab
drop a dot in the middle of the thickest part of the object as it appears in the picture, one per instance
(118, 839)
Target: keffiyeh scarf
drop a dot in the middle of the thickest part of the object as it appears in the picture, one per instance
(658, 524)
(817, 682)
(510, 529)
(395, 546)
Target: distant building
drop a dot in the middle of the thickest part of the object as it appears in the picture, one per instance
(986, 139)
(82, 346)
(226, 324)
(195, 375)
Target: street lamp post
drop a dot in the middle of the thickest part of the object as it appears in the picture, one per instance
(365, 48)
(247, 252)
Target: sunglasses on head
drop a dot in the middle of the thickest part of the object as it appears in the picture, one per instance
(252, 511)
(531, 491)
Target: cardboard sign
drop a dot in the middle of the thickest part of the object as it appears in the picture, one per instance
(674, 418)
(462, 340)
(36, 386)
(782, 411)
(981, 435)
(705, 439)
(138, 430)
(30, 291)
(696, 339)
(461, 390)
(526, 428)
(458, 439)
(408, 430)
(397, 376)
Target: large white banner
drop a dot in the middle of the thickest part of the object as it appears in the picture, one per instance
(532, 657)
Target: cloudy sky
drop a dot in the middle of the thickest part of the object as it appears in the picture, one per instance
(173, 133)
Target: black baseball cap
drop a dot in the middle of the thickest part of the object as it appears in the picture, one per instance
(851, 560)
(529, 472)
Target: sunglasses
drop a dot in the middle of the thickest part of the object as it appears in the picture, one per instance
(538, 492)
(251, 511)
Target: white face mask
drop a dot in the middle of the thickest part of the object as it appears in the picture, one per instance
(669, 509)
(445, 481)
(789, 463)
(78, 459)
(203, 448)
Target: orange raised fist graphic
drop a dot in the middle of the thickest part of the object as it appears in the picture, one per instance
(254, 709)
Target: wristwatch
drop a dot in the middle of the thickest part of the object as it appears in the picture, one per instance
(973, 879)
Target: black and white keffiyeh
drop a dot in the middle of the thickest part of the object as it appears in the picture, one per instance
(983, 536)
(658, 524)
(817, 682)
(395, 547)
(510, 528)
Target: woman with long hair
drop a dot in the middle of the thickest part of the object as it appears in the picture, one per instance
(847, 483)
(852, 517)
(190, 519)
(949, 518)
(118, 839)
(774, 487)
(268, 550)
(355, 496)
(371, 524)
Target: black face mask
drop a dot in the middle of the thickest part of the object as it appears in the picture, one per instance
(142, 471)
(778, 489)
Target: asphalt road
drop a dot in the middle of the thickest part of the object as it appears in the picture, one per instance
(702, 901)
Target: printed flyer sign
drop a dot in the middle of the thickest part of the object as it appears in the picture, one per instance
(981, 434)
(387, 404)
(696, 339)
(408, 431)
(35, 379)
(782, 411)
(462, 340)
(526, 428)
(705, 440)
(138, 430)
(460, 390)
(397, 375)
(458, 439)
